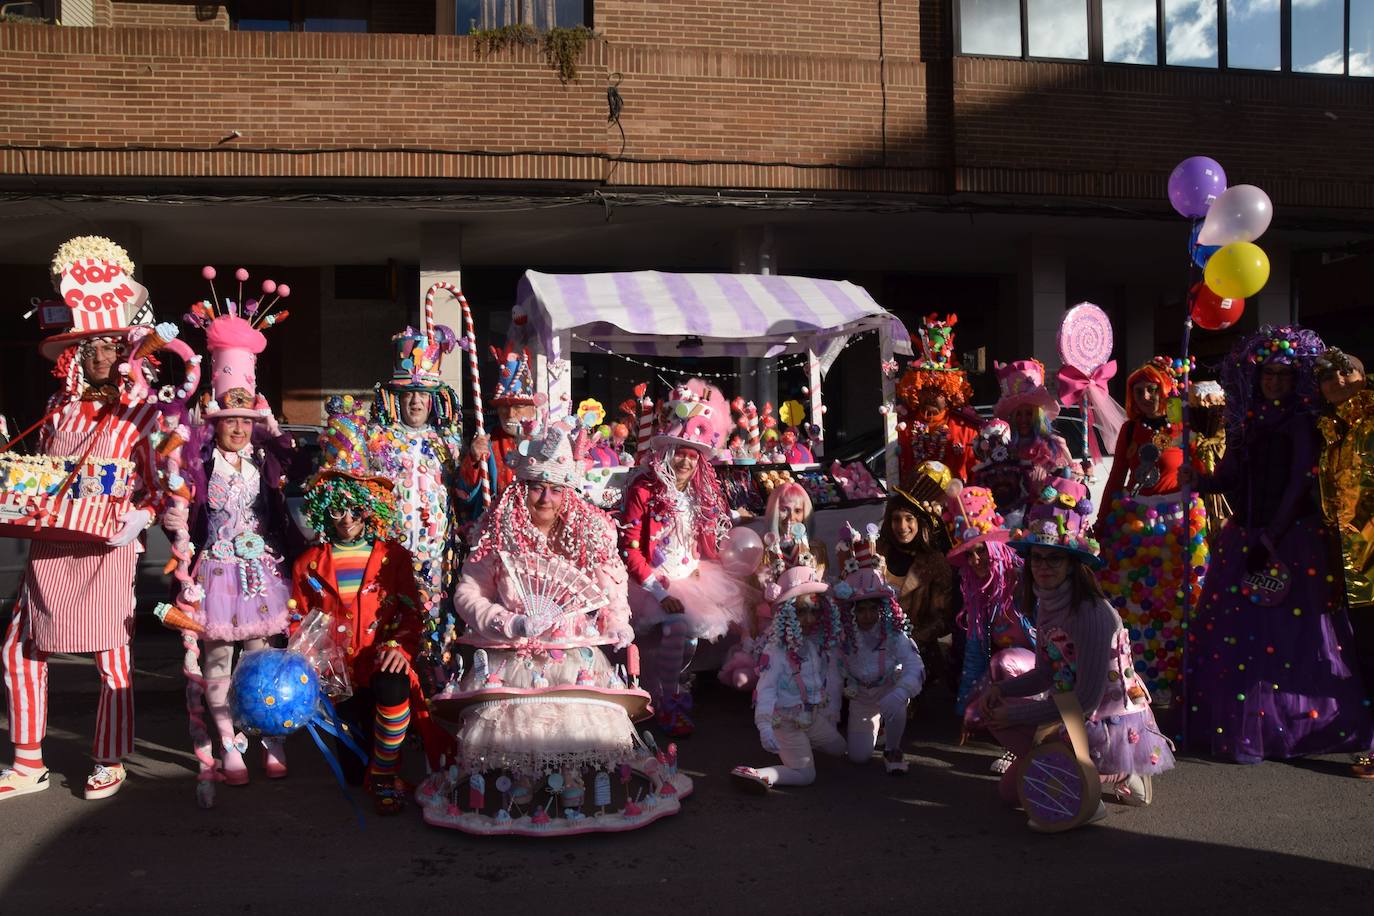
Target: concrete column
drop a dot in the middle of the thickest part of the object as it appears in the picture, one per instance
(441, 248)
(1042, 297)
(755, 254)
(1273, 304)
(1137, 328)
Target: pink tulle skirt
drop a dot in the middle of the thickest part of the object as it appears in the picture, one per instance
(233, 613)
(714, 601)
(536, 735)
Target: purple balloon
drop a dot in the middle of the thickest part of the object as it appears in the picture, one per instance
(1194, 184)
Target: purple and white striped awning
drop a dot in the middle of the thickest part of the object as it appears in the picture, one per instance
(649, 313)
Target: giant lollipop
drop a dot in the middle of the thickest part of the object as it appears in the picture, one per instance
(1085, 346)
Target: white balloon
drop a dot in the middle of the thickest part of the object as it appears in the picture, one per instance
(1240, 214)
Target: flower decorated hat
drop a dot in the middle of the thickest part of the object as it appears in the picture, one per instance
(1061, 522)
(547, 457)
(1023, 382)
(972, 517)
(95, 278)
(862, 567)
(938, 366)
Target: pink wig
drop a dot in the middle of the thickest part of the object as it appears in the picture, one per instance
(984, 598)
(710, 514)
(774, 507)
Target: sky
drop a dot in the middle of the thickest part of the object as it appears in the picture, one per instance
(1058, 28)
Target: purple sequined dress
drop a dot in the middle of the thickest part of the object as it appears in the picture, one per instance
(1273, 682)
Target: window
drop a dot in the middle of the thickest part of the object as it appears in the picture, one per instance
(1254, 31)
(301, 15)
(1319, 36)
(540, 14)
(1057, 28)
(1190, 27)
(1130, 31)
(1302, 36)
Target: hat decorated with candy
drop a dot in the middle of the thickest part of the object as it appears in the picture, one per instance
(343, 444)
(927, 489)
(1060, 521)
(689, 421)
(937, 367)
(972, 517)
(95, 279)
(862, 566)
(233, 335)
(793, 583)
(1023, 382)
(547, 457)
(514, 384)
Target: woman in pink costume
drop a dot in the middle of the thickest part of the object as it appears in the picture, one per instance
(671, 526)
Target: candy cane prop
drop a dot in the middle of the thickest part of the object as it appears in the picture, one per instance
(645, 430)
(751, 417)
(470, 336)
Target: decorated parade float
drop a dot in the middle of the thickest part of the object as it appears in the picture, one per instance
(650, 316)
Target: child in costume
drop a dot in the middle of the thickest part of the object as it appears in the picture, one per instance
(364, 581)
(415, 440)
(999, 638)
(797, 702)
(238, 521)
(880, 666)
(1271, 649)
(933, 424)
(1082, 649)
(1152, 539)
(517, 410)
(913, 542)
(673, 520)
(77, 595)
(1347, 490)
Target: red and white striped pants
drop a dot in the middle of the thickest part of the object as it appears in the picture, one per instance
(26, 689)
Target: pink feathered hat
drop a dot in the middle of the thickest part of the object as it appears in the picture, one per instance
(234, 345)
(1023, 382)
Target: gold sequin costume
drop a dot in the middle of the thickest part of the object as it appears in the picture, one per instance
(1347, 491)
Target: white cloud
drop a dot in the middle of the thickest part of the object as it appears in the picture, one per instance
(1192, 32)
(1057, 28)
(1128, 31)
(1361, 63)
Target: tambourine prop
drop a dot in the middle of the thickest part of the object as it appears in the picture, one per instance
(1059, 787)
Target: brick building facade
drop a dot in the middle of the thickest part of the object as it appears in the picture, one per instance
(842, 139)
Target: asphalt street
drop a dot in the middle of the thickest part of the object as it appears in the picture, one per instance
(1220, 838)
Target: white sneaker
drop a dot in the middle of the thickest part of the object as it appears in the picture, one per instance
(1136, 791)
(105, 781)
(751, 780)
(895, 765)
(1003, 763)
(14, 783)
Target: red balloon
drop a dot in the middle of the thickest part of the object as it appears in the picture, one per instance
(1213, 313)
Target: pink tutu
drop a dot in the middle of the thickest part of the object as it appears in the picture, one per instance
(229, 614)
(535, 735)
(714, 601)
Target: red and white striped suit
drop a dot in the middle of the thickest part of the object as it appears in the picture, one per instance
(78, 596)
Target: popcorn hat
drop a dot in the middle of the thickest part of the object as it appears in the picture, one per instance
(95, 279)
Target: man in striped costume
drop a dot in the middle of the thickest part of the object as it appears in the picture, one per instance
(77, 595)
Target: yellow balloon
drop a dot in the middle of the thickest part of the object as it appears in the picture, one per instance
(1237, 271)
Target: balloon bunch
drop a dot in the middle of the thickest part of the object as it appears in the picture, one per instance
(1226, 223)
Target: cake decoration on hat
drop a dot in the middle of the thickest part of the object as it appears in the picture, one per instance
(1023, 382)
(1061, 522)
(233, 335)
(972, 517)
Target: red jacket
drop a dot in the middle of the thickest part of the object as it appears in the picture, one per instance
(640, 531)
(386, 607)
(958, 456)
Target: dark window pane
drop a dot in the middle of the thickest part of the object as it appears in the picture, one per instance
(1318, 36)
(1057, 28)
(262, 15)
(1252, 34)
(1362, 37)
(990, 27)
(335, 15)
(1190, 29)
(1130, 32)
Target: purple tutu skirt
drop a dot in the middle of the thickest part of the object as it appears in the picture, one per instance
(231, 613)
(1273, 682)
(1129, 744)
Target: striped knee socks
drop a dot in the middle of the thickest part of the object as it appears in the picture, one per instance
(388, 732)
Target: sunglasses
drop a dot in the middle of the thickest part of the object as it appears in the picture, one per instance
(339, 514)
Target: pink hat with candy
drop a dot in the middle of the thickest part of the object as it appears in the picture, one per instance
(234, 339)
(1023, 382)
(691, 422)
(972, 518)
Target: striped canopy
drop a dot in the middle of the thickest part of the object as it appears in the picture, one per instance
(650, 313)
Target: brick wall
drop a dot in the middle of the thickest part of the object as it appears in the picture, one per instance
(169, 13)
(791, 94)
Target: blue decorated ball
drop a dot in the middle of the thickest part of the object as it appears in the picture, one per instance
(274, 692)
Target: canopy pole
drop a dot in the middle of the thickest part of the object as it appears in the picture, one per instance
(814, 412)
(885, 355)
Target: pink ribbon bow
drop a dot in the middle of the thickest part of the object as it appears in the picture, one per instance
(1076, 387)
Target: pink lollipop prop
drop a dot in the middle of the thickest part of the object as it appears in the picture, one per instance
(1085, 347)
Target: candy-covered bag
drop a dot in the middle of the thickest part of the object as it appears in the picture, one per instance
(316, 641)
(1059, 787)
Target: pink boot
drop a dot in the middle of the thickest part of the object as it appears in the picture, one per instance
(274, 757)
(231, 759)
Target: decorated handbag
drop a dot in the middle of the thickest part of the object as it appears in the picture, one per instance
(1059, 787)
